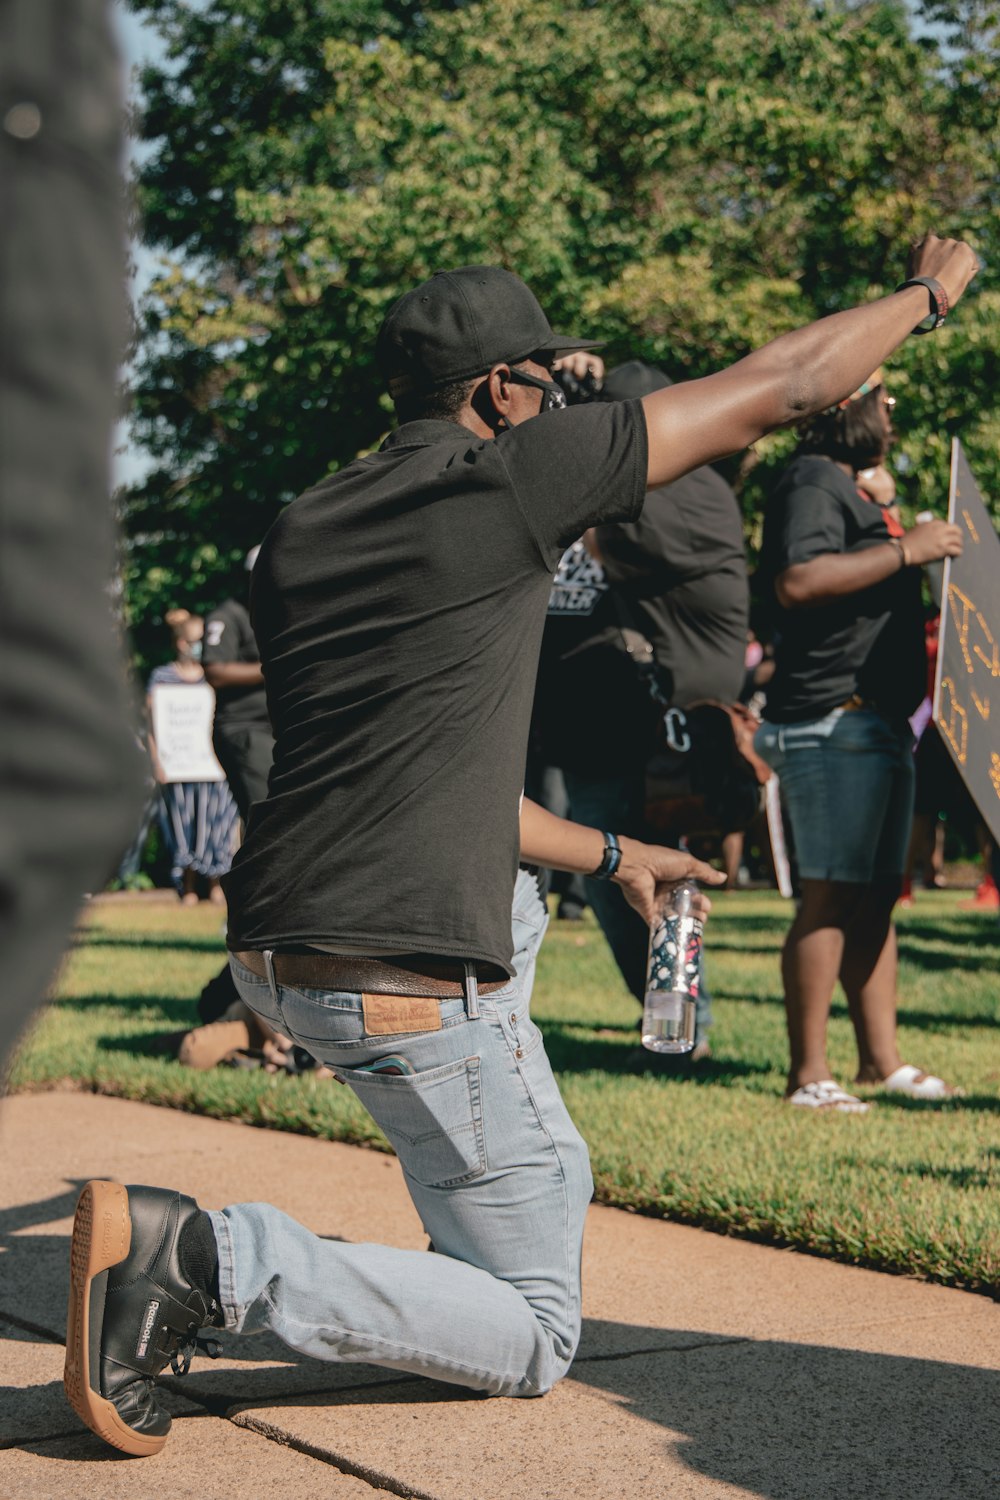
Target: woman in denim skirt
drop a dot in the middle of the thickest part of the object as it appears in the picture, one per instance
(850, 669)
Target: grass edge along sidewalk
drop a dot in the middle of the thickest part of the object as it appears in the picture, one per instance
(906, 1188)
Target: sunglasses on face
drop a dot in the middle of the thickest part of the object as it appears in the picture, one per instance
(554, 398)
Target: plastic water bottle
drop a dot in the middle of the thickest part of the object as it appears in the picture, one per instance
(673, 973)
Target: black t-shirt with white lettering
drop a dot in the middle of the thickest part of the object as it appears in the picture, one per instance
(229, 637)
(678, 575)
(870, 643)
(398, 607)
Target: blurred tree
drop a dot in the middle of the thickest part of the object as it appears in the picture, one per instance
(686, 178)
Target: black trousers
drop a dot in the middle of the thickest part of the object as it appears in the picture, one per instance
(244, 753)
(70, 778)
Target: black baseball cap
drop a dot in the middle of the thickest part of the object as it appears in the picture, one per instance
(461, 323)
(633, 380)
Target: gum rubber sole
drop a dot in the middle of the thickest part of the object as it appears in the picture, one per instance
(102, 1237)
(207, 1046)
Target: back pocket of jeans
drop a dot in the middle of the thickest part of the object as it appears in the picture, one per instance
(433, 1120)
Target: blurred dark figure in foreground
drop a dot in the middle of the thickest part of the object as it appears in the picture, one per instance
(673, 584)
(71, 785)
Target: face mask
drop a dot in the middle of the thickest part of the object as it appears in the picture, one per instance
(554, 398)
(194, 650)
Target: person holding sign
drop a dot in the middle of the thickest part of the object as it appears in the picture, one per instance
(850, 670)
(197, 812)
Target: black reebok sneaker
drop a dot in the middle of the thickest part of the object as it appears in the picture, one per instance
(132, 1310)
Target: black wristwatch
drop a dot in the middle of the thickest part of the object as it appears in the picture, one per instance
(612, 858)
(939, 302)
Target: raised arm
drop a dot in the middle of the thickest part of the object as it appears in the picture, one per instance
(834, 574)
(795, 375)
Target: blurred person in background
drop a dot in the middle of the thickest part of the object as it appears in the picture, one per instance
(244, 744)
(242, 735)
(678, 576)
(850, 669)
(198, 817)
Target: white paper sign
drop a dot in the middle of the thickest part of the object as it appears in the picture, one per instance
(182, 728)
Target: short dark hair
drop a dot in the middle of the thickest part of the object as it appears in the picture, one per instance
(854, 433)
(442, 403)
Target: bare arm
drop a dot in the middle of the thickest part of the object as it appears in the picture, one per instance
(834, 574)
(794, 376)
(643, 873)
(233, 674)
(154, 754)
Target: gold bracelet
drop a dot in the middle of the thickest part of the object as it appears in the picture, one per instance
(900, 547)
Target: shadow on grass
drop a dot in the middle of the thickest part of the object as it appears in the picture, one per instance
(923, 958)
(743, 949)
(172, 1008)
(569, 1052)
(958, 1177)
(162, 1044)
(933, 1021)
(210, 944)
(968, 1104)
(918, 1020)
(976, 934)
(724, 918)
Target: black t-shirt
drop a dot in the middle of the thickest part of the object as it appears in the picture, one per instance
(229, 637)
(398, 607)
(870, 643)
(678, 574)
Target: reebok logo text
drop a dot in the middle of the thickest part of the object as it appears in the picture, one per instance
(147, 1328)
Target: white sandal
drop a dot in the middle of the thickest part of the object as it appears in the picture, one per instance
(916, 1084)
(827, 1095)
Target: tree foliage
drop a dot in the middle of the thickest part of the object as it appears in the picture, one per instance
(686, 178)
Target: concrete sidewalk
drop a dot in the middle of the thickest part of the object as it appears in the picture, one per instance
(708, 1368)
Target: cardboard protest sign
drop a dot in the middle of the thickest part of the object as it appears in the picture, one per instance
(967, 683)
(182, 728)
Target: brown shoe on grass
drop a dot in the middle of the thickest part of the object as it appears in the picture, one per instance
(207, 1046)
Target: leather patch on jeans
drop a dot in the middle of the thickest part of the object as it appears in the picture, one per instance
(385, 1015)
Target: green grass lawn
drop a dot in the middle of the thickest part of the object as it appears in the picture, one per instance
(907, 1187)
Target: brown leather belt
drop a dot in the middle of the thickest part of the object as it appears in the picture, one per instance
(855, 702)
(358, 976)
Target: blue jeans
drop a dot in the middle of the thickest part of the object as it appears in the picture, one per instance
(616, 803)
(847, 782)
(495, 1167)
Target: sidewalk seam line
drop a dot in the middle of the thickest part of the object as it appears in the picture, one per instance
(373, 1477)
